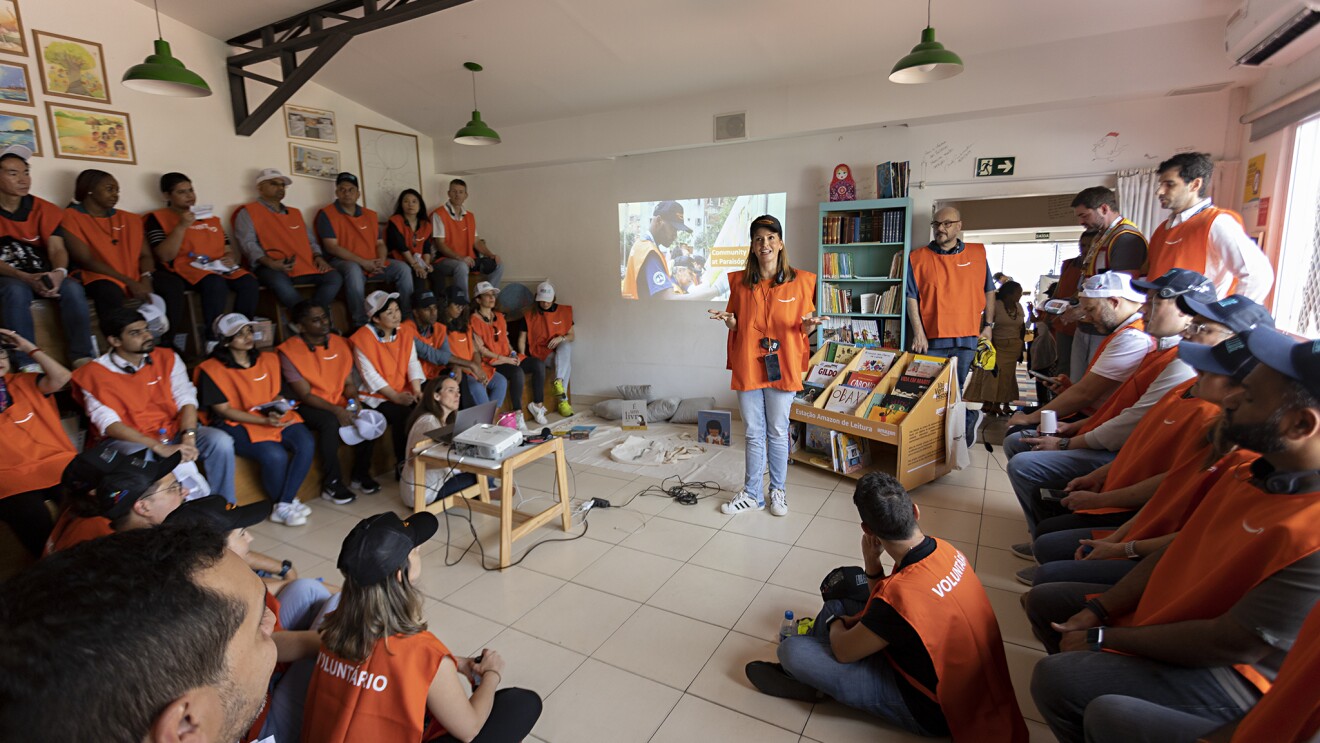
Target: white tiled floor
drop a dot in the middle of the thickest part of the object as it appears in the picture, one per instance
(639, 631)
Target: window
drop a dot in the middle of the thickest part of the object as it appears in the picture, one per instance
(1297, 281)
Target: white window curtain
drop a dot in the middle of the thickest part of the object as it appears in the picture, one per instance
(1138, 199)
(1297, 288)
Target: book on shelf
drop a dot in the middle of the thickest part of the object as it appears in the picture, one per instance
(864, 380)
(817, 439)
(837, 266)
(849, 330)
(809, 393)
(891, 179)
(877, 360)
(896, 266)
(890, 336)
(851, 452)
(841, 353)
(870, 304)
(824, 373)
(845, 399)
(924, 366)
(911, 385)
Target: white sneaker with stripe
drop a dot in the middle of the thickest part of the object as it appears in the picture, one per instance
(743, 503)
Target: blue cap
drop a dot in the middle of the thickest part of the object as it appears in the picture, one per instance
(1230, 358)
(1235, 312)
(672, 213)
(1178, 282)
(1296, 359)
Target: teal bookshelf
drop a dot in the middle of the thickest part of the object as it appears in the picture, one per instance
(862, 248)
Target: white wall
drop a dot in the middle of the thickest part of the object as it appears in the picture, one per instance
(195, 136)
(561, 221)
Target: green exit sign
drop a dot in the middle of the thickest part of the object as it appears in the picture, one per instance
(995, 166)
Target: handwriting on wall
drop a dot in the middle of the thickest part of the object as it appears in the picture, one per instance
(1059, 207)
(944, 155)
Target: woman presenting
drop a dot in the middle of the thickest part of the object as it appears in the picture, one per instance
(769, 317)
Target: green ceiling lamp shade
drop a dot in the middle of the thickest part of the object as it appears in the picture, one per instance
(162, 74)
(929, 61)
(476, 132)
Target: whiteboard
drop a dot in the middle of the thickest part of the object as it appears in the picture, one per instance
(390, 164)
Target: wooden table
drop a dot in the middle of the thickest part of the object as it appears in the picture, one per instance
(514, 525)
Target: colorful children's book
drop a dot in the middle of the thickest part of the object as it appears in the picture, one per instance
(714, 426)
(634, 415)
(580, 433)
(877, 360)
(818, 439)
(851, 452)
(824, 373)
(845, 399)
(864, 380)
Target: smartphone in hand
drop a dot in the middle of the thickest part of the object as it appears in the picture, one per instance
(46, 282)
(1052, 495)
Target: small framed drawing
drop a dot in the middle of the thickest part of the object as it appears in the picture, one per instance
(12, 38)
(301, 122)
(15, 85)
(19, 129)
(390, 163)
(313, 162)
(71, 67)
(79, 133)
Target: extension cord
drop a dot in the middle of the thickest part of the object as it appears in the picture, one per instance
(594, 503)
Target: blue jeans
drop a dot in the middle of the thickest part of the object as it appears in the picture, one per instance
(476, 393)
(963, 365)
(1115, 717)
(287, 698)
(765, 411)
(215, 451)
(16, 315)
(300, 603)
(1029, 471)
(457, 273)
(396, 273)
(282, 285)
(284, 464)
(869, 684)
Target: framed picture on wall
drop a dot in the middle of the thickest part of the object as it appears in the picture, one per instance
(12, 38)
(74, 68)
(19, 129)
(79, 133)
(390, 163)
(15, 85)
(301, 122)
(313, 162)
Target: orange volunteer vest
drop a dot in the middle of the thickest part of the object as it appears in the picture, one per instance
(36, 449)
(72, 530)
(494, 336)
(460, 234)
(245, 389)
(282, 236)
(636, 257)
(382, 699)
(144, 400)
(461, 345)
(358, 234)
(769, 311)
(946, 604)
(205, 238)
(1187, 245)
(1182, 491)
(390, 359)
(42, 221)
(1290, 713)
(1170, 424)
(1128, 393)
(952, 290)
(1096, 260)
(416, 240)
(1239, 536)
(435, 340)
(325, 368)
(115, 240)
(542, 326)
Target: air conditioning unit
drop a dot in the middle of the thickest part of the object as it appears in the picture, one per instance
(1272, 32)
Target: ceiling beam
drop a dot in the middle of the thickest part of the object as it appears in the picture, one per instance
(320, 32)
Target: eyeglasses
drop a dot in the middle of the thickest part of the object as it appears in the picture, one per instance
(1198, 328)
(176, 487)
(945, 224)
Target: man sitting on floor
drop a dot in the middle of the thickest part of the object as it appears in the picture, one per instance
(923, 652)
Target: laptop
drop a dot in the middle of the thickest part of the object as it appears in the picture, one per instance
(464, 419)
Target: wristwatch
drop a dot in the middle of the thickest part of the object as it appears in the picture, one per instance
(1063, 444)
(1095, 638)
(1130, 550)
(285, 567)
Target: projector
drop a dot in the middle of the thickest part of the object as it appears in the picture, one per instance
(486, 441)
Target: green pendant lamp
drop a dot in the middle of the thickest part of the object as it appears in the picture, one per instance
(929, 61)
(162, 74)
(476, 132)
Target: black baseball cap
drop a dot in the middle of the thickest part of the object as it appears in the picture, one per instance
(214, 512)
(1235, 312)
(672, 213)
(346, 178)
(766, 221)
(456, 295)
(1293, 358)
(130, 479)
(1178, 282)
(1231, 358)
(379, 545)
(425, 298)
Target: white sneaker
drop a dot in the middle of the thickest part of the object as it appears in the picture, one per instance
(303, 508)
(288, 514)
(778, 502)
(744, 502)
(538, 413)
(522, 422)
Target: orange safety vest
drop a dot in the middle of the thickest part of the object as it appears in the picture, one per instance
(772, 311)
(144, 400)
(1173, 423)
(254, 730)
(636, 258)
(72, 530)
(381, 699)
(282, 236)
(1290, 713)
(389, 359)
(357, 235)
(1238, 537)
(115, 240)
(494, 336)
(1151, 367)
(460, 234)
(417, 239)
(1182, 491)
(542, 326)
(1096, 259)
(246, 389)
(952, 290)
(204, 238)
(36, 449)
(461, 345)
(325, 368)
(1070, 277)
(1187, 245)
(43, 219)
(435, 340)
(944, 601)
(1136, 326)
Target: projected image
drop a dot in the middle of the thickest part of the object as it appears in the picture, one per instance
(685, 249)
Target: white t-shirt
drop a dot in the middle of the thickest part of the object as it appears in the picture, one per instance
(1123, 354)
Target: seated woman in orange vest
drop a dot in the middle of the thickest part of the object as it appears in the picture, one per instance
(549, 333)
(36, 449)
(391, 374)
(242, 388)
(496, 350)
(479, 385)
(195, 255)
(408, 235)
(440, 400)
(108, 244)
(350, 234)
(380, 676)
(108, 491)
(919, 648)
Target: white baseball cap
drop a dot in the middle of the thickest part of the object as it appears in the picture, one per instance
(377, 300)
(227, 326)
(485, 287)
(545, 292)
(273, 174)
(17, 150)
(368, 425)
(153, 311)
(1111, 284)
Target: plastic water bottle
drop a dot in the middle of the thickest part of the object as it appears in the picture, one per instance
(788, 627)
(164, 436)
(353, 406)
